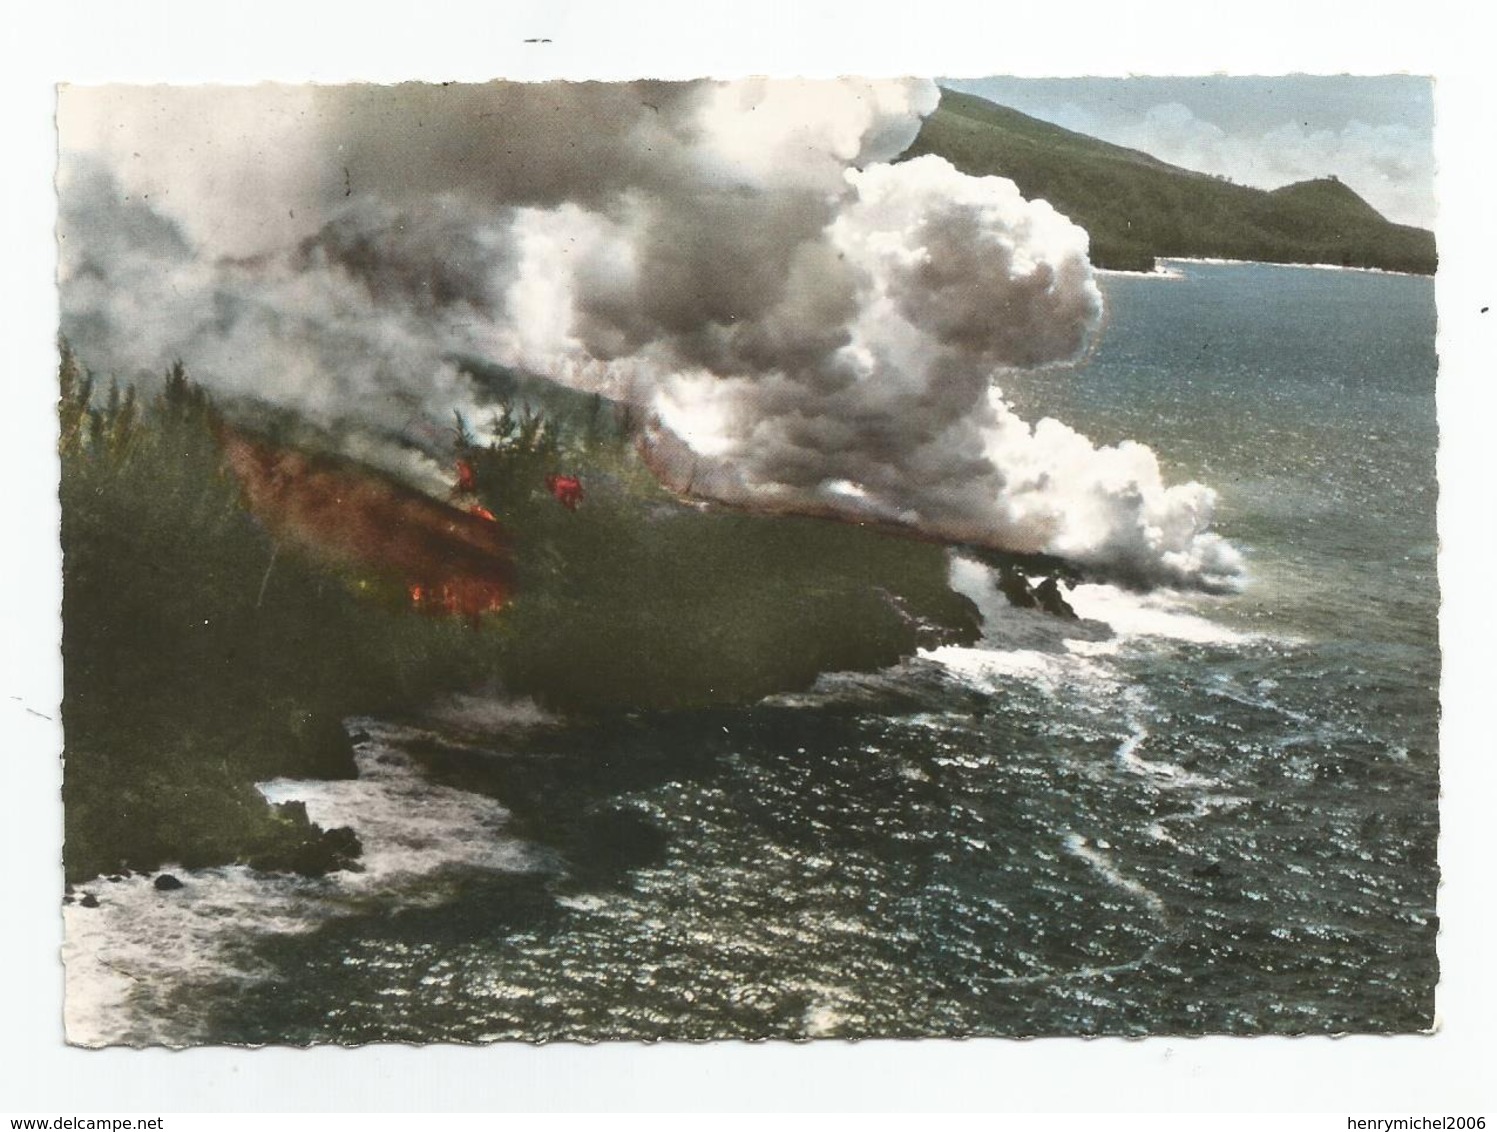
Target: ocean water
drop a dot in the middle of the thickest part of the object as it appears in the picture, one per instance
(1182, 814)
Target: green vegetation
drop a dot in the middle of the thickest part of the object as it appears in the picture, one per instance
(1137, 208)
(192, 667)
(199, 658)
(637, 600)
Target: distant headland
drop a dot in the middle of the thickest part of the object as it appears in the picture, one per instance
(1138, 208)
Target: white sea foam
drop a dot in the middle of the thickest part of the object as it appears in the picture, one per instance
(1094, 649)
(586, 902)
(409, 826)
(123, 958)
(1022, 644)
(131, 962)
(1157, 831)
(1301, 266)
(1165, 614)
(1108, 615)
(1102, 864)
(1222, 686)
(1162, 773)
(1161, 271)
(491, 714)
(822, 1020)
(1094, 854)
(1071, 660)
(988, 668)
(1201, 806)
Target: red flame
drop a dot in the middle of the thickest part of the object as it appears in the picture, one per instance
(482, 513)
(450, 560)
(465, 478)
(566, 489)
(467, 598)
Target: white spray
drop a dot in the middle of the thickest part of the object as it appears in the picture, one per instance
(808, 327)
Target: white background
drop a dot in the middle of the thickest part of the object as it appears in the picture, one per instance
(335, 42)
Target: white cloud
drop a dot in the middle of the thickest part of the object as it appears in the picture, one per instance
(1390, 166)
(807, 327)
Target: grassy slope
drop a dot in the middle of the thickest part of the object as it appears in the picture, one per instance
(193, 668)
(638, 600)
(1137, 207)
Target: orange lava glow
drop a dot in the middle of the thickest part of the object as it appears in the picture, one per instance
(450, 560)
(566, 489)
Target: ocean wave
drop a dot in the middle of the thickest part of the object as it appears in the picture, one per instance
(1212, 262)
(1163, 614)
(491, 714)
(1159, 772)
(1160, 271)
(1094, 853)
(132, 961)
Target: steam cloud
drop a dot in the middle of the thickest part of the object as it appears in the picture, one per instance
(810, 328)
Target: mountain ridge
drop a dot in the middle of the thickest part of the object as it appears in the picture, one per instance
(1138, 208)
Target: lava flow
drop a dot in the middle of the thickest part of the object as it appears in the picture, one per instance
(349, 516)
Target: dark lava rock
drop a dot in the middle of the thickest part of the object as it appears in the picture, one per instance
(1015, 586)
(89, 900)
(609, 844)
(307, 849)
(168, 883)
(1049, 598)
(67, 899)
(324, 749)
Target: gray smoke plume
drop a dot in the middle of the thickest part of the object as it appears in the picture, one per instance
(808, 327)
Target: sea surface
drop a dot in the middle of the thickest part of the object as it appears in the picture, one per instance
(1182, 814)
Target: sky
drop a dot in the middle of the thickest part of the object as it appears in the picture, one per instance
(1374, 133)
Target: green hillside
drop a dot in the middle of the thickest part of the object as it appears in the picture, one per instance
(1138, 208)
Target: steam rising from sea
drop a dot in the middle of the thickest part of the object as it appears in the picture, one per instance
(806, 326)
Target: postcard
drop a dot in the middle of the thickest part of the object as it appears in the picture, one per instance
(748, 559)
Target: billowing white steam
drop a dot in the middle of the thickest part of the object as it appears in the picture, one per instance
(809, 327)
